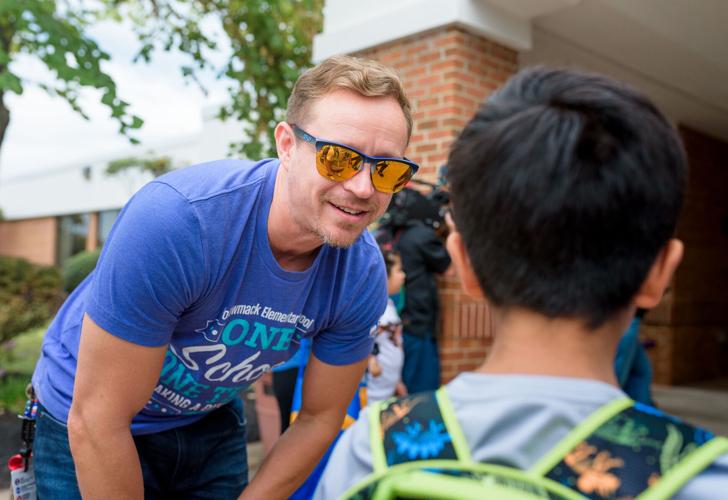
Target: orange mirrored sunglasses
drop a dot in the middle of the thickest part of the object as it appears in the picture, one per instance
(337, 162)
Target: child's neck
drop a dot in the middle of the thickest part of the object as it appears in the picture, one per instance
(528, 343)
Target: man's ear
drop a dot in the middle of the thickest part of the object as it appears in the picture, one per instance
(285, 141)
(659, 276)
(461, 261)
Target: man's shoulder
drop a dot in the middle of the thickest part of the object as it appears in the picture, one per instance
(207, 180)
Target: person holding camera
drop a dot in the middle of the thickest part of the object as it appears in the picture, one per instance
(413, 223)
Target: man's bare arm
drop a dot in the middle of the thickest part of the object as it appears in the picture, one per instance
(327, 392)
(114, 379)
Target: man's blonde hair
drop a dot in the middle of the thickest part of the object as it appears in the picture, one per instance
(365, 76)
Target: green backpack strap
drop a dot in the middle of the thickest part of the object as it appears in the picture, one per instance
(622, 450)
(448, 479)
(379, 461)
(689, 467)
(462, 450)
(579, 434)
(420, 426)
(630, 450)
(419, 451)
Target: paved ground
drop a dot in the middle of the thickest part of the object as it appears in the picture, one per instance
(256, 454)
(704, 404)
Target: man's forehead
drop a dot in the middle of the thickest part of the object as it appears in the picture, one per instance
(374, 125)
(386, 145)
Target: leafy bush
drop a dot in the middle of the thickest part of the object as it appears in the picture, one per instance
(29, 295)
(12, 393)
(77, 268)
(17, 361)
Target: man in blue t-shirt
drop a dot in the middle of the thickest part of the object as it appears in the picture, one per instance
(211, 277)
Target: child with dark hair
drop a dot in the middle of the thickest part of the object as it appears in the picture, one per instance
(566, 188)
(384, 374)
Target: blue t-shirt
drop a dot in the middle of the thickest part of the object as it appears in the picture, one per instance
(297, 360)
(188, 263)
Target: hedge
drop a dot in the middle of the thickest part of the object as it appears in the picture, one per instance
(77, 268)
(29, 295)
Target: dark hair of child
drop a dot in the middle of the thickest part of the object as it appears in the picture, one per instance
(565, 187)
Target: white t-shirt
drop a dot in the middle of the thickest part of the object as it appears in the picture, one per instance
(390, 357)
(511, 420)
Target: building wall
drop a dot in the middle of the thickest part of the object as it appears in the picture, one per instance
(32, 239)
(92, 237)
(447, 73)
(691, 331)
(31, 202)
(466, 326)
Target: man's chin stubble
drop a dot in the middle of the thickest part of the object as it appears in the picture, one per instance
(329, 239)
(337, 243)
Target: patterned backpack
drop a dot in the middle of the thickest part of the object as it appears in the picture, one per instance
(623, 450)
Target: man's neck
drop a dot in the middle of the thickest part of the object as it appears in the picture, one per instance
(295, 261)
(528, 343)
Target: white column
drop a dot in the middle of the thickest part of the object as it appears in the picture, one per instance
(354, 25)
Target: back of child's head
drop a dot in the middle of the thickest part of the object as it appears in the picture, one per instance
(565, 187)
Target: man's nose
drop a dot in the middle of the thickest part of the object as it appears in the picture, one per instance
(361, 184)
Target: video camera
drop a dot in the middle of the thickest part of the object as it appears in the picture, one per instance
(413, 205)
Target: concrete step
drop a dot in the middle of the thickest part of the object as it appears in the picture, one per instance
(707, 408)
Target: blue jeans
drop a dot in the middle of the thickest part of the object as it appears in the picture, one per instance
(206, 459)
(421, 370)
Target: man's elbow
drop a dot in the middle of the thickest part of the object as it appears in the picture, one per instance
(80, 427)
(87, 428)
(327, 427)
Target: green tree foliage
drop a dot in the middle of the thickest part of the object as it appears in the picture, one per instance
(77, 268)
(29, 295)
(54, 33)
(270, 42)
(155, 165)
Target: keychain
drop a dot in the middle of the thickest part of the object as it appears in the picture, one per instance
(22, 478)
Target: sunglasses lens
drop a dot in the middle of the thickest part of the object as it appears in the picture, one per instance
(390, 176)
(337, 163)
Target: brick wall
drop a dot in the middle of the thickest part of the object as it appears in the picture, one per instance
(467, 329)
(92, 236)
(447, 73)
(692, 337)
(31, 239)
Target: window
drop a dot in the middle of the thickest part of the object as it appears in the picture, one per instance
(72, 232)
(106, 221)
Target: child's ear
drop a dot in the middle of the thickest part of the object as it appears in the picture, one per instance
(658, 278)
(461, 260)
